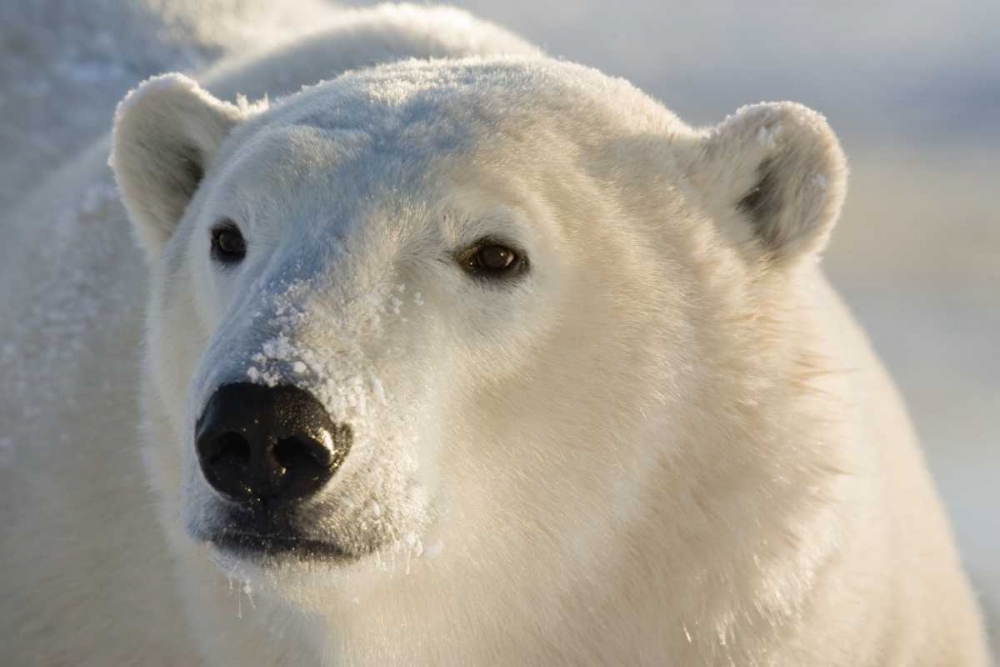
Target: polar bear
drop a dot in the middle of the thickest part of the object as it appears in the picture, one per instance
(475, 361)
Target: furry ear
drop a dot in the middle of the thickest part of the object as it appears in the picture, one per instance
(774, 176)
(165, 135)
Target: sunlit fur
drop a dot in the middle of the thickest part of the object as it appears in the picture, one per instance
(666, 443)
(651, 446)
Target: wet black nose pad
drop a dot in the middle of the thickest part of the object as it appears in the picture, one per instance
(268, 443)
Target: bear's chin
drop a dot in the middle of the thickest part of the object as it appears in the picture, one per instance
(305, 576)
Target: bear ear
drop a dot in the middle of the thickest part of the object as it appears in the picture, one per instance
(165, 135)
(775, 176)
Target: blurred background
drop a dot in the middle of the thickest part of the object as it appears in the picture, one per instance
(911, 86)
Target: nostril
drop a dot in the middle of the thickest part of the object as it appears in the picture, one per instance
(230, 449)
(298, 451)
(226, 461)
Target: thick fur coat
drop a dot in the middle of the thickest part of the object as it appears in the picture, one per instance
(662, 440)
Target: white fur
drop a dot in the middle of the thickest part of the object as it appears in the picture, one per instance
(667, 443)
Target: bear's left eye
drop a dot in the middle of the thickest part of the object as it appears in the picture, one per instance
(492, 259)
(228, 244)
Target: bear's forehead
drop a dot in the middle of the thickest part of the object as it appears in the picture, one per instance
(450, 106)
(419, 132)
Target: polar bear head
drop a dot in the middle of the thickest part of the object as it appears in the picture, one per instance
(495, 311)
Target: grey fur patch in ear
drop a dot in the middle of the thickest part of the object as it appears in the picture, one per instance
(165, 134)
(763, 202)
(192, 163)
(775, 176)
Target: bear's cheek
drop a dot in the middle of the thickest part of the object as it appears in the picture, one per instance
(176, 342)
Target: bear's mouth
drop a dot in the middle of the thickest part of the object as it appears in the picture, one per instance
(265, 547)
(268, 535)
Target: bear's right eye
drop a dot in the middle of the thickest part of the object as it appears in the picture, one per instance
(228, 244)
(489, 259)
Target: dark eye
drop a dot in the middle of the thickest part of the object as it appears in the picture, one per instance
(492, 259)
(228, 244)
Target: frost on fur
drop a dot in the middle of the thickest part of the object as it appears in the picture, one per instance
(642, 453)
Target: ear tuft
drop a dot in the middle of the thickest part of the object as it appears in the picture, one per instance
(165, 134)
(777, 174)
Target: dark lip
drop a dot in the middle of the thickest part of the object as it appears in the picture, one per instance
(265, 548)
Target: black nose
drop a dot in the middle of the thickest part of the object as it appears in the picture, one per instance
(273, 444)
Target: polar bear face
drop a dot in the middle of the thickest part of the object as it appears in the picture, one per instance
(500, 300)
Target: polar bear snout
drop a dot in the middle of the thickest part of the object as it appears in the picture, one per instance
(259, 444)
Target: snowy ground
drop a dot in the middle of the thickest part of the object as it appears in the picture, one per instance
(913, 88)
